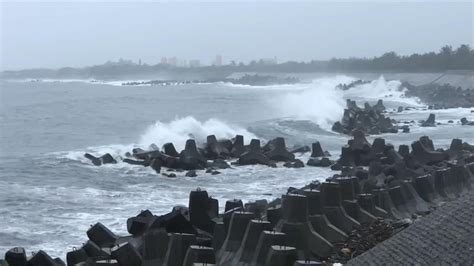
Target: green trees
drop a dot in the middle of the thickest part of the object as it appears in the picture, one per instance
(446, 59)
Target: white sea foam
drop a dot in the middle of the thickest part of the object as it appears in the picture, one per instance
(159, 133)
(283, 87)
(317, 101)
(321, 102)
(88, 81)
(382, 89)
(181, 129)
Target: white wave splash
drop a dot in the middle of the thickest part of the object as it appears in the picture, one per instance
(380, 88)
(181, 129)
(176, 131)
(317, 101)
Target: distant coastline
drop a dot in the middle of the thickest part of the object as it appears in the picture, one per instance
(446, 60)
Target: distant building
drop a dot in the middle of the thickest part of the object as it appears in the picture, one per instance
(183, 63)
(173, 61)
(218, 61)
(164, 61)
(269, 61)
(121, 61)
(194, 63)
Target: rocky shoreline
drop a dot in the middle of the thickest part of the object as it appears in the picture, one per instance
(370, 119)
(215, 155)
(439, 96)
(379, 191)
(435, 95)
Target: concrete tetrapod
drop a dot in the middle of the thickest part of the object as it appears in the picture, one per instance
(254, 155)
(266, 240)
(318, 219)
(353, 209)
(333, 210)
(155, 246)
(349, 187)
(126, 254)
(199, 254)
(300, 233)
(440, 185)
(177, 248)
(400, 202)
(425, 189)
(238, 147)
(367, 202)
(200, 210)
(101, 235)
(413, 199)
(237, 227)
(279, 151)
(281, 256)
(383, 199)
(250, 241)
(16, 256)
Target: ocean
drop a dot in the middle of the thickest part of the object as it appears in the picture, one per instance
(50, 194)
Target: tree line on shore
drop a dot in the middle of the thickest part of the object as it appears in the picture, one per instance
(447, 58)
(461, 58)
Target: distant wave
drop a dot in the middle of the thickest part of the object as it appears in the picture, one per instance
(88, 81)
(266, 87)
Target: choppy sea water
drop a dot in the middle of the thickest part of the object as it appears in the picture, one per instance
(50, 194)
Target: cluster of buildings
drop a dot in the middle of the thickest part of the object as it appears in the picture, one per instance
(176, 62)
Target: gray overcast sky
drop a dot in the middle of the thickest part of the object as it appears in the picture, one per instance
(85, 33)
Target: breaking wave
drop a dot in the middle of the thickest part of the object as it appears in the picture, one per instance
(323, 103)
(181, 129)
(317, 101)
(380, 88)
(176, 131)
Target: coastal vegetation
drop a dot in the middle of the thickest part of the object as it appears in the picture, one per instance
(447, 58)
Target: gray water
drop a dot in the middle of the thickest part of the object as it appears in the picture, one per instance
(50, 194)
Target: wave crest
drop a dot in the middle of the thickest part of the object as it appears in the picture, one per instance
(181, 129)
(380, 88)
(317, 101)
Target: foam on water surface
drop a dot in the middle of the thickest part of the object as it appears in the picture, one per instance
(181, 129)
(50, 199)
(380, 88)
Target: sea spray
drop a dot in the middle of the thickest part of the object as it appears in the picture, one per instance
(181, 129)
(176, 131)
(323, 103)
(317, 101)
(380, 88)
